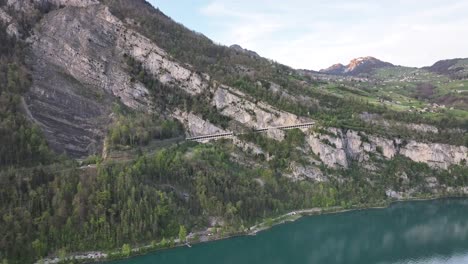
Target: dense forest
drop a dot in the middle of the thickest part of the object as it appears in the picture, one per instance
(21, 143)
(65, 208)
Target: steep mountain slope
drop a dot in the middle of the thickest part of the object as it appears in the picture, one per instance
(118, 85)
(358, 66)
(457, 68)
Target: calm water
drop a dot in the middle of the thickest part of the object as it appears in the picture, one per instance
(413, 232)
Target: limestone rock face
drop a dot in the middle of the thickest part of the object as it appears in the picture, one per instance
(300, 172)
(195, 125)
(336, 148)
(276, 134)
(248, 147)
(157, 61)
(235, 104)
(357, 147)
(77, 56)
(438, 155)
(329, 149)
(77, 75)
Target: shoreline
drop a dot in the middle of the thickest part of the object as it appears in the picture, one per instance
(266, 224)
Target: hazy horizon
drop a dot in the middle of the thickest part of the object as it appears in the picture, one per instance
(317, 34)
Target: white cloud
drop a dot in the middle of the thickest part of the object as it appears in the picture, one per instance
(316, 34)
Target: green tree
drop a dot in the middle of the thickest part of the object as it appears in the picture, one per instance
(163, 242)
(62, 254)
(182, 234)
(126, 250)
(39, 247)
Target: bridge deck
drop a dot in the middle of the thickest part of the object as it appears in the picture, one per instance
(259, 130)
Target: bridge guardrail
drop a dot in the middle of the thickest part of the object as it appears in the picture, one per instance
(259, 130)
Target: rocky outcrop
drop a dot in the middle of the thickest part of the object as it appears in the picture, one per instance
(248, 147)
(301, 172)
(195, 125)
(235, 104)
(329, 147)
(438, 155)
(276, 134)
(12, 26)
(157, 61)
(336, 148)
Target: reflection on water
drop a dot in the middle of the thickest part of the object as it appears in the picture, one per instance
(416, 232)
(436, 260)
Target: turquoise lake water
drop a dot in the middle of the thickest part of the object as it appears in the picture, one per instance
(404, 233)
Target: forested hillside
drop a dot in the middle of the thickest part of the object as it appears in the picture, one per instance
(22, 143)
(97, 99)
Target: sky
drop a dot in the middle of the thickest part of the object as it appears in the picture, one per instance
(315, 34)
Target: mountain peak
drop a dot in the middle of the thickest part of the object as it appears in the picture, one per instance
(360, 65)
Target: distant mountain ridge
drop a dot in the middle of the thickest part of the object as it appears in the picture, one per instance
(456, 68)
(453, 67)
(361, 65)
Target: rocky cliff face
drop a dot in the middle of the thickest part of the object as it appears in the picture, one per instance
(337, 147)
(76, 54)
(195, 125)
(78, 73)
(235, 104)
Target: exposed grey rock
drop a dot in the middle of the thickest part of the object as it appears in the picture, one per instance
(330, 149)
(156, 60)
(235, 104)
(434, 154)
(5, 17)
(248, 147)
(393, 194)
(336, 151)
(276, 134)
(77, 77)
(195, 125)
(300, 172)
(12, 26)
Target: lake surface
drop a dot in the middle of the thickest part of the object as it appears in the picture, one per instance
(405, 233)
